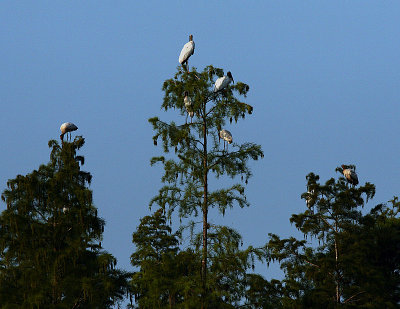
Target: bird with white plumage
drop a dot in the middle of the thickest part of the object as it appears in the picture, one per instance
(223, 82)
(188, 105)
(186, 52)
(350, 175)
(67, 127)
(310, 198)
(226, 136)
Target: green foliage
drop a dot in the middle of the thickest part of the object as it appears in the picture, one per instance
(196, 144)
(356, 261)
(228, 266)
(261, 293)
(165, 276)
(198, 153)
(170, 277)
(375, 242)
(50, 252)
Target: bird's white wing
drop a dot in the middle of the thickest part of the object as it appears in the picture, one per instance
(218, 83)
(188, 103)
(225, 135)
(68, 127)
(186, 52)
(221, 83)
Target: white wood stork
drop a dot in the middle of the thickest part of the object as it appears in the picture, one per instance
(350, 175)
(226, 136)
(310, 201)
(188, 106)
(67, 127)
(186, 52)
(223, 81)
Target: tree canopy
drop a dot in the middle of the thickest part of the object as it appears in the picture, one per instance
(50, 250)
(346, 258)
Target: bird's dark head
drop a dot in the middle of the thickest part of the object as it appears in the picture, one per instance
(191, 37)
(186, 93)
(344, 166)
(229, 74)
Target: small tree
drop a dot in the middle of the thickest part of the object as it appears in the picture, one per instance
(261, 293)
(165, 276)
(199, 153)
(50, 255)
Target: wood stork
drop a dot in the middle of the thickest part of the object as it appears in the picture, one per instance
(186, 52)
(350, 175)
(67, 127)
(223, 81)
(188, 106)
(310, 200)
(226, 136)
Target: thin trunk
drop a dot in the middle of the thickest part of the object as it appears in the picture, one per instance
(337, 270)
(171, 299)
(205, 213)
(54, 284)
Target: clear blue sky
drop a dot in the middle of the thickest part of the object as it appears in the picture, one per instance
(324, 82)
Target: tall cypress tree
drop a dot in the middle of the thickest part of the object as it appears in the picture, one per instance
(50, 250)
(199, 153)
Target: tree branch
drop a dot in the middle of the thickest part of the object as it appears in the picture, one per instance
(353, 296)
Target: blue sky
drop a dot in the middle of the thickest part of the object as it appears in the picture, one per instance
(324, 82)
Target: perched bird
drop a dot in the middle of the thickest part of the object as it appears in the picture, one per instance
(67, 127)
(350, 175)
(310, 200)
(188, 106)
(226, 136)
(223, 81)
(186, 52)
